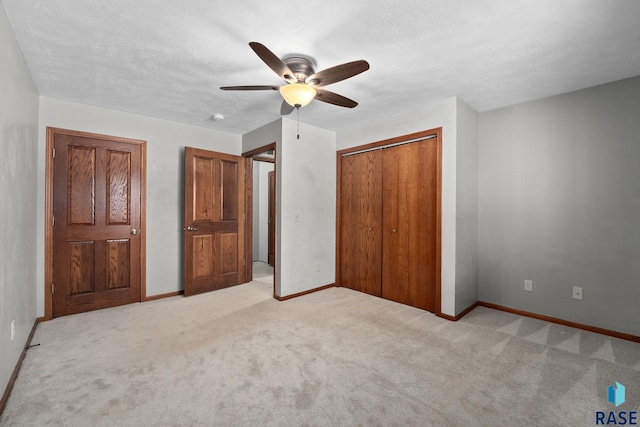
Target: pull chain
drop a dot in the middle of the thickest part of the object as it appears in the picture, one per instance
(298, 112)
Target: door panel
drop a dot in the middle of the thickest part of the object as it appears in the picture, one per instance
(118, 189)
(395, 255)
(82, 185)
(229, 253)
(214, 227)
(96, 204)
(203, 256)
(118, 268)
(203, 189)
(422, 211)
(410, 224)
(81, 267)
(361, 212)
(229, 190)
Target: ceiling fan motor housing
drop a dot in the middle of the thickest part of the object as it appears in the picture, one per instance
(302, 67)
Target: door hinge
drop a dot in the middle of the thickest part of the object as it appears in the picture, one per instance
(53, 154)
(52, 288)
(53, 221)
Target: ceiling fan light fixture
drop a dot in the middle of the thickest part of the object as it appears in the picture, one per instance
(297, 94)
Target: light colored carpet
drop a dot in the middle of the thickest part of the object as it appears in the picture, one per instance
(237, 357)
(261, 269)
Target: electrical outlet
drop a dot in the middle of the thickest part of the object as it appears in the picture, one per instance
(528, 285)
(13, 329)
(577, 292)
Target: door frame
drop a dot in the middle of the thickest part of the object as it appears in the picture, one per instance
(408, 139)
(249, 209)
(271, 221)
(48, 209)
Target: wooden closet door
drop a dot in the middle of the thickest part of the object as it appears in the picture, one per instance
(410, 224)
(361, 218)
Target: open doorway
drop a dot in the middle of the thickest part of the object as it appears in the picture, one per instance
(261, 194)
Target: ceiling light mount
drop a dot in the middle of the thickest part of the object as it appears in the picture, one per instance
(217, 117)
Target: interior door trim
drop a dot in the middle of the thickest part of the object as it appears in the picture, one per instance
(409, 138)
(48, 210)
(248, 247)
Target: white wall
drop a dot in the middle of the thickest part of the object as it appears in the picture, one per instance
(559, 194)
(466, 207)
(261, 210)
(18, 185)
(165, 179)
(306, 185)
(439, 114)
(264, 135)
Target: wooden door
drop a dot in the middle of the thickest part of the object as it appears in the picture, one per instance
(214, 256)
(97, 219)
(361, 222)
(272, 219)
(409, 254)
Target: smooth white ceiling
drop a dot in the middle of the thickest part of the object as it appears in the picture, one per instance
(167, 59)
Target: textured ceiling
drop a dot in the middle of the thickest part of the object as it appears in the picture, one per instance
(167, 59)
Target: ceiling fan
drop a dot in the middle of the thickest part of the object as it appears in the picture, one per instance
(302, 82)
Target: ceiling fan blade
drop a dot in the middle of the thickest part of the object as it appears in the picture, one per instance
(250, 87)
(337, 73)
(334, 98)
(285, 109)
(273, 62)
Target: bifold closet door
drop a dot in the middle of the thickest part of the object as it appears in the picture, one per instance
(361, 218)
(409, 224)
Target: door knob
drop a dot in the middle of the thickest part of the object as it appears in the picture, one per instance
(369, 229)
(134, 231)
(192, 228)
(394, 230)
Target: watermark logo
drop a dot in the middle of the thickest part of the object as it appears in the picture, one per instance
(616, 394)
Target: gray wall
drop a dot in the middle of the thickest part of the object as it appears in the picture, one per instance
(165, 179)
(466, 207)
(306, 186)
(559, 195)
(18, 185)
